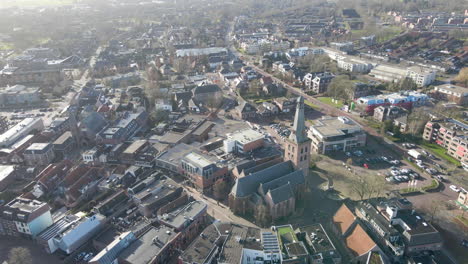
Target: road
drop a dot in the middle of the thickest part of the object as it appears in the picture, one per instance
(218, 210)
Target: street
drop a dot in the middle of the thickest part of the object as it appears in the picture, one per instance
(218, 210)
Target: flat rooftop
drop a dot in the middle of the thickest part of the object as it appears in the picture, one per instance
(199, 160)
(245, 136)
(26, 205)
(63, 138)
(239, 237)
(296, 249)
(173, 155)
(416, 223)
(179, 217)
(157, 190)
(203, 246)
(335, 126)
(148, 246)
(136, 145)
(319, 238)
(37, 146)
(450, 88)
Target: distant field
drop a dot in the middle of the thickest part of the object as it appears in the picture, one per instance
(34, 3)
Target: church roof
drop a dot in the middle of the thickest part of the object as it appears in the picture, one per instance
(249, 184)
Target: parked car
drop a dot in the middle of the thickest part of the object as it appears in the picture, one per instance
(454, 188)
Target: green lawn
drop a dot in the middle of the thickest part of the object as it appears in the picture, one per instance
(284, 230)
(440, 152)
(328, 101)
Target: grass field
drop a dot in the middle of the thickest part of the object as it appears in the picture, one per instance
(440, 152)
(328, 101)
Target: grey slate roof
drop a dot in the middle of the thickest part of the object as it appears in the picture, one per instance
(249, 184)
(282, 193)
(293, 179)
(95, 122)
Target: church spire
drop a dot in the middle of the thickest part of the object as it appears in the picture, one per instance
(298, 133)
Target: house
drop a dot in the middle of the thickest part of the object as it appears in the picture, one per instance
(266, 109)
(24, 217)
(273, 89)
(336, 134)
(80, 183)
(154, 192)
(418, 234)
(207, 93)
(383, 113)
(386, 235)
(245, 110)
(284, 104)
(320, 82)
(51, 177)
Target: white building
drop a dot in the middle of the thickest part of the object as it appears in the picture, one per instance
(243, 141)
(20, 130)
(91, 155)
(19, 96)
(70, 232)
(343, 46)
(331, 134)
(421, 76)
(388, 73)
(354, 65)
(24, 216)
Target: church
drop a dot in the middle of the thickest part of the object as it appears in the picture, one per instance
(280, 185)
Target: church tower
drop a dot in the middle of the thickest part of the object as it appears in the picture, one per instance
(297, 146)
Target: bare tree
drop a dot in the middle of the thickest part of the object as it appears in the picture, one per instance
(220, 189)
(19, 255)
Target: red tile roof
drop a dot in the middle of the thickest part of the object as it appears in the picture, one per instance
(359, 242)
(343, 219)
